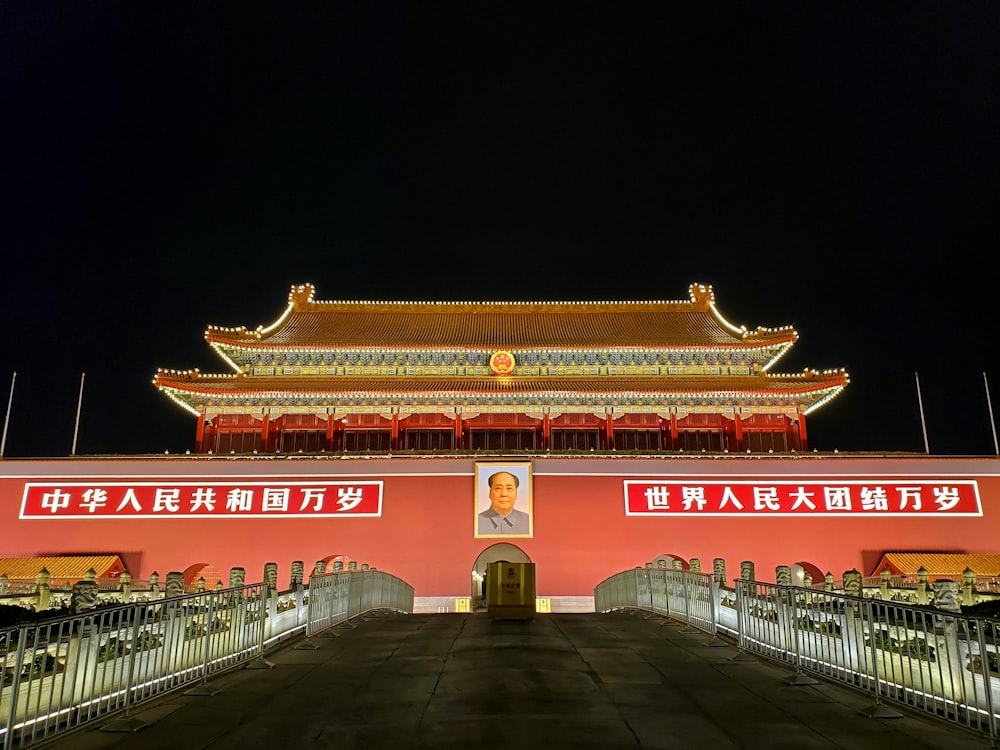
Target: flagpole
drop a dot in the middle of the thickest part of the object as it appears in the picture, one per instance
(923, 423)
(6, 419)
(989, 404)
(79, 403)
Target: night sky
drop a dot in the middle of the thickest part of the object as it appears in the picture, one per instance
(830, 166)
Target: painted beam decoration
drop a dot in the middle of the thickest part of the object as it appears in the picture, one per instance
(233, 498)
(817, 497)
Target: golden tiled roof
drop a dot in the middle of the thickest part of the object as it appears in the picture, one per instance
(499, 325)
(68, 567)
(940, 563)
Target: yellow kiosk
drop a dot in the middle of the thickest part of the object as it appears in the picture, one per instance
(510, 591)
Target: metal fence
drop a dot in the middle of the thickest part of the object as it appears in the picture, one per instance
(63, 673)
(935, 661)
(336, 597)
(690, 597)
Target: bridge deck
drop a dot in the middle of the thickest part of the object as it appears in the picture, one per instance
(562, 680)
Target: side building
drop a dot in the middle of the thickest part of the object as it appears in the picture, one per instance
(364, 376)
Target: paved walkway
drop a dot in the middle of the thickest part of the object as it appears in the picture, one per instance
(562, 681)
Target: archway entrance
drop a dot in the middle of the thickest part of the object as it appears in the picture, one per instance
(501, 551)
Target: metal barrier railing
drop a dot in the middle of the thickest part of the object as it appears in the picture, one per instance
(67, 672)
(689, 597)
(931, 660)
(63, 673)
(337, 597)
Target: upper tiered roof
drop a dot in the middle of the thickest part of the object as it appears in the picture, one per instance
(307, 323)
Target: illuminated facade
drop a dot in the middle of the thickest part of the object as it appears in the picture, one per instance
(356, 376)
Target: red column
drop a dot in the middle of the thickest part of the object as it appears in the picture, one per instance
(329, 431)
(394, 435)
(546, 431)
(458, 432)
(609, 432)
(673, 431)
(199, 435)
(804, 444)
(265, 432)
(337, 443)
(739, 434)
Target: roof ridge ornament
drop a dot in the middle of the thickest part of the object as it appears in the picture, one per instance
(702, 294)
(301, 294)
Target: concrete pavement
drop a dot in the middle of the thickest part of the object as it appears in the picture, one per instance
(562, 680)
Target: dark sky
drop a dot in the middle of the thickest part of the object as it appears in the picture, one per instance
(831, 166)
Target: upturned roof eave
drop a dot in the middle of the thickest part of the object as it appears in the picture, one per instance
(223, 388)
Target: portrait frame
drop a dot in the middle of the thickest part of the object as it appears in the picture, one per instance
(525, 497)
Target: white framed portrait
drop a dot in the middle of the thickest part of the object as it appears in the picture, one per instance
(504, 502)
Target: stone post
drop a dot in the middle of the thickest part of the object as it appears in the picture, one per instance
(319, 568)
(783, 575)
(719, 568)
(677, 564)
(201, 585)
(853, 633)
(649, 565)
(922, 586)
(4, 583)
(295, 584)
(695, 565)
(126, 586)
(271, 592)
(42, 587)
(747, 572)
(298, 573)
(807, 583)
(338, 566)
(84, 597)
(237, 577)
(154, 585)
(661, 564)
(852, 583)
(968, 587)
(271, 576)
(364, 566)
(352, 565)
(946, 595)
(884, 579)
(828, 582)
(946, 598)
(175, 584)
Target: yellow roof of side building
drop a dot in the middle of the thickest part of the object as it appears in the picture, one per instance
(939, 563)
(61, 567)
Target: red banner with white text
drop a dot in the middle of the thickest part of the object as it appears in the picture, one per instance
(227, 499)
(815, 497)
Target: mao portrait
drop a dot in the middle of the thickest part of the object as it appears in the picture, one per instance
(503, 499)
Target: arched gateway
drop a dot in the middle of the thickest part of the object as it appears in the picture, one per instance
(500, 552)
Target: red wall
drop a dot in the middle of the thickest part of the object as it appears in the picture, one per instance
(426, 532)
